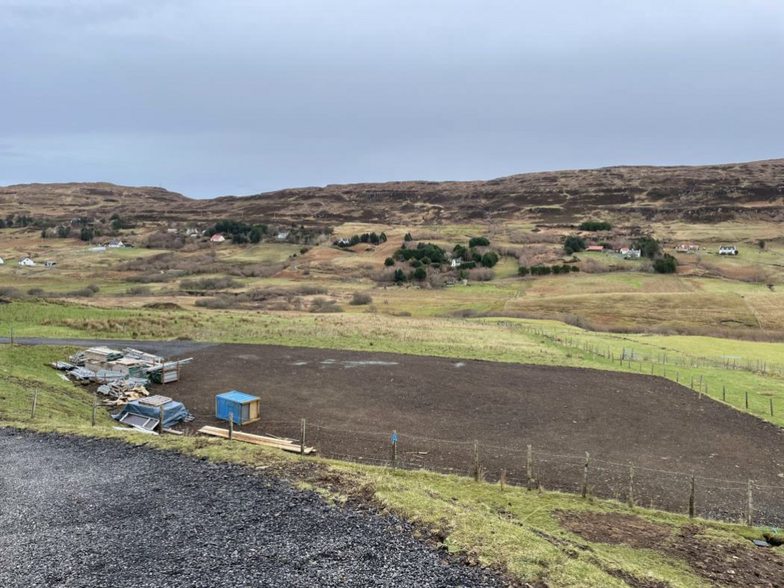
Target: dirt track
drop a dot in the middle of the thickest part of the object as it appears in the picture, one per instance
(616, 417)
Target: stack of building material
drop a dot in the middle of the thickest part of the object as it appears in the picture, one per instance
(123, 391)
(167, 372)
(291, 445)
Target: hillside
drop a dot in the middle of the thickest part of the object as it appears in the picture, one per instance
(710, 193)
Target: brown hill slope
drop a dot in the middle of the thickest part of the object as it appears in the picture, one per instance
(698, 193)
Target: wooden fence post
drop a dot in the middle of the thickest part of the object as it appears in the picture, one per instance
(630, 498)
(231, 426)
(95, 405)
(585, 475)
(724, 393)
(302, 437)
(529, 467)
(35, 402)
(394, 450)
(691, 498)
(771, 406)
(160, 419)
(750, 505)
(476, 460)
(747, 399)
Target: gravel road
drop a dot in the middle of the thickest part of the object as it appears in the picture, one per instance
(82, 512)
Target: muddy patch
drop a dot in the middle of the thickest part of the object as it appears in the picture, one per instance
(720, 561)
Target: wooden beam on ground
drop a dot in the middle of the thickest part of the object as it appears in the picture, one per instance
(284, 444)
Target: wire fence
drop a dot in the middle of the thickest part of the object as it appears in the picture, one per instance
(757, 501)
(628, 353)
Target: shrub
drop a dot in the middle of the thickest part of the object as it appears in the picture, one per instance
(389, 262)
(595, 226)
(523, 270)
(399, 276)
(94, 288)
(360, 299)
(220, 283)
(478, 242)
(574, 243)
(138, 291)
(407, 237)
(323, 305)
(481, 274)
(10, 292)
(419, 274)
(489, 259)
(303, 250)
(665, 265)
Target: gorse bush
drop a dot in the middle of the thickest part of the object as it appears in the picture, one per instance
(574, 244)
(595, 226)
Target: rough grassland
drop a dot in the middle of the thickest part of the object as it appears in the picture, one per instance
(510, 529)
(486, 339)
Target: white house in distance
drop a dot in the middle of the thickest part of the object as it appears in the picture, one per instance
(728, 250)
(50, 263)
(1, 261)
(282, 235)
(456, 262)
(116, 244)
(217, 238)
(627, 253)
(27, 262)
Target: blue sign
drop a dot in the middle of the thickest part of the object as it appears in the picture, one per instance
(394, 437)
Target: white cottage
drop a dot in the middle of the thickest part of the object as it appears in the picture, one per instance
(27, 262)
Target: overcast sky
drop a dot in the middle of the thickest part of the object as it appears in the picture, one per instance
(210, 97)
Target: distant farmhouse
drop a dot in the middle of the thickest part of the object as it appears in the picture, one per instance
(728, 250)
(27, 262)
(627, 253)
(687, 248)
(217, 238)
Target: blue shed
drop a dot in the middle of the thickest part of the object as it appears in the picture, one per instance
(244, 408)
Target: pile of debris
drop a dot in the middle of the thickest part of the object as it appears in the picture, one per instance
(124, 391)
(123, 375)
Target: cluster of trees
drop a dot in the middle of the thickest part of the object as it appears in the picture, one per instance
(240, 232)
(595, 226)
(574, 244)
(546, 270)
(18, 220)
(418, 275)
(423, 254)
(471, 257)
(648, 246)
(371, 238)
(118, 222)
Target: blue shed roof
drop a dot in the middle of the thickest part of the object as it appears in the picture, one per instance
(237, 396)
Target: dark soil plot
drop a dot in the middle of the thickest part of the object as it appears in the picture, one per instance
(81, 512)
(619, 418)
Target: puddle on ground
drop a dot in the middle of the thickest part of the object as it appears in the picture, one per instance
(348, 364)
